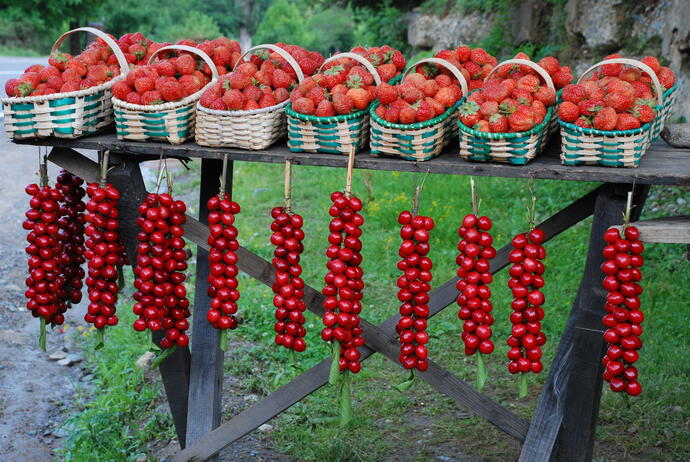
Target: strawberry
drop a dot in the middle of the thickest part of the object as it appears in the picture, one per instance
(11, 87)
(612, 70)
(550, 64)
(325, 109)
(281, 94)
(479, 56)
(522, 96)
(469, 113)
(391, 114)
(590, 107)
(666, 77)
(158, 84)
(398, 60)
(605, 119)
(498, 123)
(630, 74)
(281, 79)
(424, 112)
(438, 107)
(387, 71)
(55, 82)
(267, 100)
(303, 106)
(592, 90)
(250, 105)
(185, 64)
(339, 89)
(172, 91)
(165, 67)
(212, 93)
(233, 99)
(583, 122)
(121, 90)
(482, 126)
(494, 90)
(529, 83)
(568, 111)
(152, 98)
(218, 105)
(316, 94)
(133, 98)
(222, 56)
(446, 96)
(252, 93)
(430, 88)
(507, 106)
(488, 108)
(410, 93)
(562, 78)
(72, 85)
(643, 112)
(443, 80)
(78, 66)
(407, 115)
(239, 80)
(620, 101)
(247, 68)
(59, 60)
(191, 84)
(652, 62)
(98, 72)
(546, 96)
(143, 85)
(49, 71)
(415, 79)
(342, 104)
(627, 121)
(308, 66)
(539, 111)
(386, 93)
(359, 97)
(573, 93)
(264, 78)
(522, 119)
(642, 90)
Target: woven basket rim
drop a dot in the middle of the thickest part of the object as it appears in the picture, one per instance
(242, 113)
(670, 91)
(509, 135)
(55, 96)
(311, 118)
(594, 131)
(414, 126)
(165, 106)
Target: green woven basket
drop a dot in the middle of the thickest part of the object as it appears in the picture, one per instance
(64, 115)
(173, 122)
(670, 97)
(588, 146)
(418, 141)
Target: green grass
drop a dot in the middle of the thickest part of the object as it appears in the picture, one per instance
(19, 51)
(421, 423)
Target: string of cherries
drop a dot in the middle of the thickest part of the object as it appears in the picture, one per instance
(526, 281)
(222, 278)
(622, 269)
(475, 250)
(288, 287)
(161, 296)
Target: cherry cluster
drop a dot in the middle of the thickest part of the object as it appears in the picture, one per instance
(222, 278)
(71, 224)
(525, 283)
(288, 287)
(104, 253)
(161, 297)
(474, 270)
(414, 290)
(344, 283)
(624, 318)
(45, 291)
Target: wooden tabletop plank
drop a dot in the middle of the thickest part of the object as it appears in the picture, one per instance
(662, 164)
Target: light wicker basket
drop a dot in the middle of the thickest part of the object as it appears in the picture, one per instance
(336, 135)
(670, 97)
(516, 148)
(588, 146)
(172, 122)
(64, 115)
(256, 129)
(418, 141)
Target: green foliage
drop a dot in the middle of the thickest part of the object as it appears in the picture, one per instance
(284, 22)
(331, 29)
(381, 25)
(195, 26)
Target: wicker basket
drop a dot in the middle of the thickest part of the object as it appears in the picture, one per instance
(172, 122)
(64, 115)
(334, 135)
(588, 146)
(418, 141)
(516, 148)
(256, 129)
(670, 97)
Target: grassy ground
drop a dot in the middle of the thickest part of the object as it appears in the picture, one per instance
(420, 424)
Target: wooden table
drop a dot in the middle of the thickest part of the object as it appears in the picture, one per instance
(564, 422)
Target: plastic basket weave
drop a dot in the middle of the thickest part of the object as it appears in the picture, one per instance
(670, 97)
(256, 129)
(64, 115)
(172, 122)
(588, 146)
(335, 135)
(516, 148)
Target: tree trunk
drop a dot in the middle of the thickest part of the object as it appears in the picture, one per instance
(245, 35)
(74, 39)
(245, 38)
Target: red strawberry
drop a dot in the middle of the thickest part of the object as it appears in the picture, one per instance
(568, 111)
(522, 119)
(247, 68)
(482, 126)
(498, 123)
(642, 89)
(342, 104)
(627, 121)
(144, 84)
(252, 93)
(250, 105)
(550, 64)
(239, 80)
(233, 99)
(539, 111)
(59, 60)
(605, 119)
(98, 73)
(49, 71)
(78, 66)
(630, 74)
(443, 80)
(267, 100)
(619, 100)
(222, 56)
(391, 114)
(666, 77)
(281, 94)
(172, 91)
(522, 96)
(11, 87)
(495, 90)
(264, 78)
(303, 106)
(308, 66)
(507, 106)
(281, 79)
(469, 113)
(562, 78)
(387, 71)
(573, 93)
(410, 93)
(424, 112)
(593, 91)
(190, 83)
(546, 95)
(55, 82)
(185, 64)
(398, 60)
(218, 105)
(479, 56)
(446, 96)
(438, 107)
(359, 97)
(415, 79)
(121, 90)
(165, 67)
(590, 107)
(152, 98)
(430, 88)
(488, 108)
(132, 98)
(652, 62)
(407, 115)
(612, 70)
(643, 112)
(386, 93)
(325, 109)
(528, 83)
(158, 84)
(583, 122)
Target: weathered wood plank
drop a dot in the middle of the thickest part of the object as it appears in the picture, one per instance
(660, 165)
(667, 230)
(571, 395)
(206, 372)
(127, 179)
(677, 135)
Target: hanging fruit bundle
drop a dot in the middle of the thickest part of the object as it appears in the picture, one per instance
(71, 224)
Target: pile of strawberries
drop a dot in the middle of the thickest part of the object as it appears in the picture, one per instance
(618, 97)
(136, 48)
(417, 99)
(223, 52)
(342, 88)
(308, 61)
(388, 61)
(560, 75)
(474, 64)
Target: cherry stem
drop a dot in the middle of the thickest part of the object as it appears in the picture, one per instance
(168, 177)
(628, 210)
(100, 338)
(418, 188)
(43, 171)
(345, 400)
(163, 355)
(160, 175)
(482, 374)
(522, 385)
(532, 208)
(348, 176)
(42, 335)
(402, 387)
(223, 339)
(104, 168)
(288, 185)
(223, 178)
(475, 201)
(334, 373)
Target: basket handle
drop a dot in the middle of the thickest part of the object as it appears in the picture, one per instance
(207, 59)
(540, 70)
(635, 63)
(122, 61)
(448, 65)
(361, 59)
(287, 56)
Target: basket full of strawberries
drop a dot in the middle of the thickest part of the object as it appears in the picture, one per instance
(157, 101)
(246, 108)
(328, 112)
(416, 119)
(68, 98)
(611, 116)
(508, 119)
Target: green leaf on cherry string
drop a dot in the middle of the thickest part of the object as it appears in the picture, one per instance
(223, 339)
(42, 335)
(100, 338)
(522, 386)
(163, 356)
(403, 387)
(334, 374)
(345, 400)
(482, 374)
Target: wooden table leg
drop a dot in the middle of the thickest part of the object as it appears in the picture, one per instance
(206, 380)
(569, 405)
